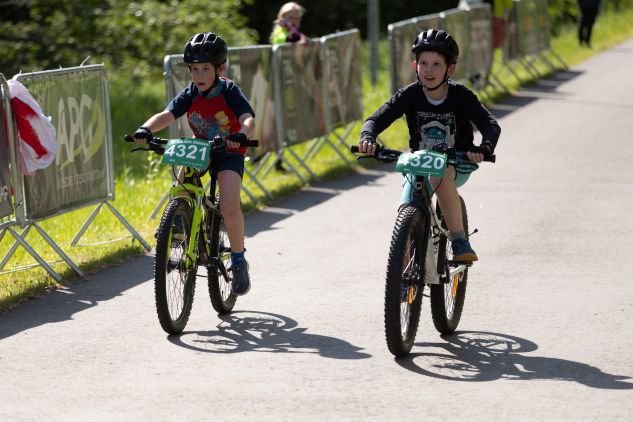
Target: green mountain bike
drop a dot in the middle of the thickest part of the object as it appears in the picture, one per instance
(191, 233)
(420, 253)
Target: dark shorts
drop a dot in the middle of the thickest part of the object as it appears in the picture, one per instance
(228, 161)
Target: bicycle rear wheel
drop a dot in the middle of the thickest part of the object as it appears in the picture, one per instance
(174, 285)
(222, 298)
(447, 298)
(404, 284)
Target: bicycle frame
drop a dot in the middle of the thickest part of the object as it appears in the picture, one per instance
(422, 200)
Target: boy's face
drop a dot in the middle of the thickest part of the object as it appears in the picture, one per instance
(203, 74)
(431, 67)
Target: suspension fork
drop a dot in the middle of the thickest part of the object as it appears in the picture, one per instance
(196, 204)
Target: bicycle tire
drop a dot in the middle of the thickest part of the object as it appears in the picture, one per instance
(222, 298)
(447, 299)
(173, 285)
(404, 285)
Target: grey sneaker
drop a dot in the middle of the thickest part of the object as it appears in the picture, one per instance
(241, 280)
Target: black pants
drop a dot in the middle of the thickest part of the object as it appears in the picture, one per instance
(587, 19)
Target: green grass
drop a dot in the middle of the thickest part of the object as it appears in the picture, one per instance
(141, 182)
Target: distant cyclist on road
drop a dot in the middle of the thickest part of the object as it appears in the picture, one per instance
(438, 111)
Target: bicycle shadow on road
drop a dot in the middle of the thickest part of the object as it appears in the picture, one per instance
(77, 296)
(483, 356)
(310, 196)
(254, 331)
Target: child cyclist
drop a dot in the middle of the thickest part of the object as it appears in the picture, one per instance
(438, 110)
(214, 106)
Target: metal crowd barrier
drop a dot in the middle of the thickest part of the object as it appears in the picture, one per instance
(77, 99)
(527, 40)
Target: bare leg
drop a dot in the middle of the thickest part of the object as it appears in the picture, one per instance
(449, 200)
(230, 207)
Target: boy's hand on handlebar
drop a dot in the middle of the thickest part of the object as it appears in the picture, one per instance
(234, 140)
(478, 154)
(368, 146)
(143, 135)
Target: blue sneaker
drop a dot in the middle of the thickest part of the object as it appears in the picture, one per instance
(462, 251)
(241, 281)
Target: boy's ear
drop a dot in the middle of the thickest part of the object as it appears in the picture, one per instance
(221, 68)
(451, 69)
(414, 64)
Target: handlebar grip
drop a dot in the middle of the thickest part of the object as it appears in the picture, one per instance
(252, 143)
(354, 148)
(491, 158)
(129, 138)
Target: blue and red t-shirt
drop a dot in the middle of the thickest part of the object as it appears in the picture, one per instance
(217, 113)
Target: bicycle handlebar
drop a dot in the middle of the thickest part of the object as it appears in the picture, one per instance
(390, 155)
(218, 143)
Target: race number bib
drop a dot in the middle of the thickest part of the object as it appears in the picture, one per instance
(422, 163)
(187, 152)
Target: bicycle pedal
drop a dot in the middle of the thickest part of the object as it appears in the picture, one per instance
(458, 263)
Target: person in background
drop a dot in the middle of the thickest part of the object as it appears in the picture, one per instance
(588, 12)
(286, 27)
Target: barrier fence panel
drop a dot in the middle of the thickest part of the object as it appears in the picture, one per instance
(81, 174)
(456, 22)
(511, 46)
(528, 32)
(480, 41)
(299, 107)
(6, 206)
(342, 86)
(342, 73)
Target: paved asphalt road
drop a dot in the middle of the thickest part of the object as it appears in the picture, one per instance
(546, 332)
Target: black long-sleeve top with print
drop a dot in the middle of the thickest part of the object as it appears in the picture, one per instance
(429, 124)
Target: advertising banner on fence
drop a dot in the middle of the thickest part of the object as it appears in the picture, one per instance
(456, 22)
(401, 37)
(6, 208)
(480, 40)
(177, 78)
(251, 68)
(342, 75)
(77, 101)
(299, 72)
(542, 26)
(526, 13)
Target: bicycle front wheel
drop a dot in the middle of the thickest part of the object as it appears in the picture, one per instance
(447, 298)
(174, 284)
(222, 298)
(404, 284)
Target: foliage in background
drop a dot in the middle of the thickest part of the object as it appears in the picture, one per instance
(129, 36)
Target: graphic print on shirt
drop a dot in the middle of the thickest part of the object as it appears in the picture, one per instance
(207, 128)
(436, 129)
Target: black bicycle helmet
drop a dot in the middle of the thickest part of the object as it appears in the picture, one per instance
(205, 47)
(439, 41)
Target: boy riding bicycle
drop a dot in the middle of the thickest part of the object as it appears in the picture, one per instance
(214, 106)
(438, 111)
